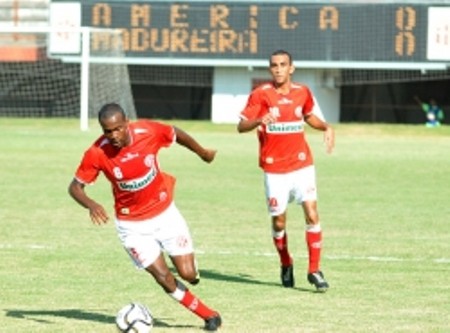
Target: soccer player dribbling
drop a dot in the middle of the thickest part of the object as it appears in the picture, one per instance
(147, 220)
(278, 111)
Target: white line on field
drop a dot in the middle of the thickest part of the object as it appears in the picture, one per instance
(26, 246)
(331, 257)
(263, 254)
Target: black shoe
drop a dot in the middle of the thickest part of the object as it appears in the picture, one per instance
(196, 280)
(318, 280)
(287, 276)
(213, 323)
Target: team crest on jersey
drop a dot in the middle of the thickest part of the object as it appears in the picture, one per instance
(298, 111)
(149, 160)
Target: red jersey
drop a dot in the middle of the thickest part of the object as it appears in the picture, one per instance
(139, 187)
(282, 145)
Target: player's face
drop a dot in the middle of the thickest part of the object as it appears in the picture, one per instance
(281, 69)
(115, 129)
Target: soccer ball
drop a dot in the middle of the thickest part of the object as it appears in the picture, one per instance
(134, 317)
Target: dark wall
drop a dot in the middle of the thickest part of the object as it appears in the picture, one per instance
(393, 103)
(172, 102)
(381, 103)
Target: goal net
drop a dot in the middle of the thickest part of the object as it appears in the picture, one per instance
(62, 73)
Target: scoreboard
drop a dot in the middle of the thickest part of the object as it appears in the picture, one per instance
(211, 30)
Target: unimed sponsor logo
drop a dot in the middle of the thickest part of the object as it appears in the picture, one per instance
(281, 128)
(138, 183)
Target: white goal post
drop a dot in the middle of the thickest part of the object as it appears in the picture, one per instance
(48, 71)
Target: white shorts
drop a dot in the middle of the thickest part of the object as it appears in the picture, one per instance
(283, 188)
(145, 240)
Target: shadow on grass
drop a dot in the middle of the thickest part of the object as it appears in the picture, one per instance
(41, 316)
(36, 315)
(243, 278)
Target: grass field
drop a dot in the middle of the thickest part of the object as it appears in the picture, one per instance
(384, 200)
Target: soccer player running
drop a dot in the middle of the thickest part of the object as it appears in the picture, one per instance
(278, 110)
(147, 220)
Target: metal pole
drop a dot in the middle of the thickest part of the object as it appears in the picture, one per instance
(84, 82)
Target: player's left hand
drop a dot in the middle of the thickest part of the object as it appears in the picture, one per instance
(328, 138)
(208, 155)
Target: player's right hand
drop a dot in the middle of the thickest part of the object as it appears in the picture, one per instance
(98, 214)
(208, 155)
(268, 119)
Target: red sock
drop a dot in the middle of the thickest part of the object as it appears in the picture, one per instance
(196, 305)
(282, 248)
(314, 242)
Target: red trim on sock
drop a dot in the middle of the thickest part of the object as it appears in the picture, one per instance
(196, 306)
(314, 243)
(282, 248)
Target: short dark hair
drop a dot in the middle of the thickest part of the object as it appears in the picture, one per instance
(282, 52)
(110, 109)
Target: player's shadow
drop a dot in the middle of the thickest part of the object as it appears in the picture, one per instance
(242, 278)
(44, 317)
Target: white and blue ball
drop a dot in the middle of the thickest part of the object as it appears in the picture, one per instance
(134, 318)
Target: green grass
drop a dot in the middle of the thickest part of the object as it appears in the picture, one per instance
(384, 205)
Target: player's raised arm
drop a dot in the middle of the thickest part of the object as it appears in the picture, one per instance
(190, 143)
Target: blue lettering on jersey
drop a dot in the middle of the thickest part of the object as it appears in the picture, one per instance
(138, 183)
(283, 128)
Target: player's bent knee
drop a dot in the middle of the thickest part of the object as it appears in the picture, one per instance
(189, 275)
(279, 223)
